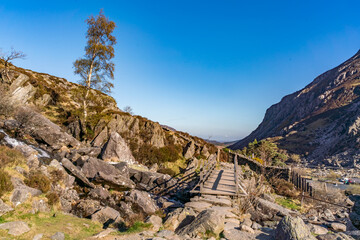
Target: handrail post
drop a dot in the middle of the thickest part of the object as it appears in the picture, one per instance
(201, 176)
(236, 175)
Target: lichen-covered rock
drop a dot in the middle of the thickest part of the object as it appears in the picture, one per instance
(86, 207)
(15, 228)
(189, 150)
(155, 221)
(179, 218)
(4, 208)
(208, 220)
(143, 201)
(292, 228)
(116, 149)
(106, 214)
(76, 172)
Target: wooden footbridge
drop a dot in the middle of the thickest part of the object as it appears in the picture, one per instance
(217, 180)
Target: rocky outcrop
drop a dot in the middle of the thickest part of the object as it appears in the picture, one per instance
(117, 150)
(293, 228)
(321, 121)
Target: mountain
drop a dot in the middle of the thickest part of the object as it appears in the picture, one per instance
(321, 122)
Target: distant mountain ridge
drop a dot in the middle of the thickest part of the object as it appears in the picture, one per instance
(321, 122)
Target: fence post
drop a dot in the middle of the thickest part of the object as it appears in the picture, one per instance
(201, 176)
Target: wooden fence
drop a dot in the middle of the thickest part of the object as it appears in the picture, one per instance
(301, 183)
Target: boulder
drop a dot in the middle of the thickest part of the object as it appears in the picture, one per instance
(316, 229)
(38, 236)
(273, 208)
(105, 173)
(76, 172)
(123, 168)
(338, 227)
(4, 208)
(39, 206)
(146, 180)
(198, 206)
(15, 228)
(208, 220)
(189, 150)
(22, 193)
(68, 198)
(67, 179)
(328, 215)
(99, 193)
(335, 236)
(43, 130)
(107, 215)
(292, 228)
(116, 149)
(179, 218)
(116, 182)
(235, 234)
(86, 207)
(155, 221)
(58, 236)
(143, 201)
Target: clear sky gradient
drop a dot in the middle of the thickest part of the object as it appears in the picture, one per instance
(210, 68)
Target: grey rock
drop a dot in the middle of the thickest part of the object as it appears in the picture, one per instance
(198, 206)
(15, 228)
(189, 150)
(273, 208)
(86, 207)
(107, 214)
(316, 229)
(179, 218)
(4, 208)
(76, 172)
(22, 193)
(292, 228)
(38, 236)
(335, 236)
(207, 220)
(39, 206)
(155, 221)
(338, 227)
(117, 149)
(123, 168)
(43, 130)
(104, 233)
(99, 193)
(165, 234)
(143, 201)
(58, 236)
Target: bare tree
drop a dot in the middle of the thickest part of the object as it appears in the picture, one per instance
(7, 58)
(96, 67)
(128, 109)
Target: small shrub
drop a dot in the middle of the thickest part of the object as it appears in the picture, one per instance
(10, 156)
(167, 171)
(39, 181)
(56, 175)
(53, 198)
(5, 183)
(283, 187)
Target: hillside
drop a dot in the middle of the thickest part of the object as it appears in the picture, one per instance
(61, 102)
(319, 122)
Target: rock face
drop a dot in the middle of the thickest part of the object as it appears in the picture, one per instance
(4, 208)
(116, 149)
(207, 220)
(321, 120)
(293, 228)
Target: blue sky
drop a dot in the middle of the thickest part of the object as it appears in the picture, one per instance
(210, 68)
